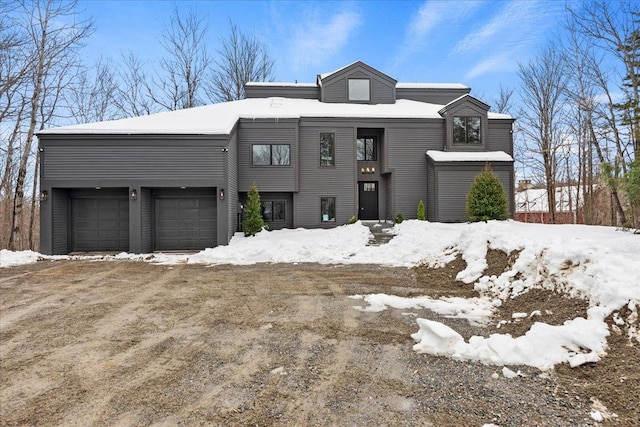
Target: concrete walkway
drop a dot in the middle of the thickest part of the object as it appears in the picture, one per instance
(379, 231)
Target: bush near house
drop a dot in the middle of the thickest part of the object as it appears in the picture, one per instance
(421, 213)
(399, 218)
(487, 199)
(253, 221)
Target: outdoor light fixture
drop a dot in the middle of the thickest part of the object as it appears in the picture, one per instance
(44, 196)
(133, 195)
(367, 170)
(222, 194)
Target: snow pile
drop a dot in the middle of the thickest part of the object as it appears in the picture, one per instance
(11, 258)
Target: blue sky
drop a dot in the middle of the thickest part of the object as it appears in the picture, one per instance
(478, 43)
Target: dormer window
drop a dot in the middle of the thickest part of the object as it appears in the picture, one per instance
(359, 90)
(466, 130)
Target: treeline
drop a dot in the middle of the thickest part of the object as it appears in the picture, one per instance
(578, 122)
(44, 82)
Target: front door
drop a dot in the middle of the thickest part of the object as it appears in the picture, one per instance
(368, 198)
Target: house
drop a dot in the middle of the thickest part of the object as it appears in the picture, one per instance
(354, 143)
(532, 204)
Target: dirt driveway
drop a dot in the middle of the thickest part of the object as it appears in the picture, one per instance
(132, 343)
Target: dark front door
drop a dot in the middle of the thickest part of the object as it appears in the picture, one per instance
(368, 198)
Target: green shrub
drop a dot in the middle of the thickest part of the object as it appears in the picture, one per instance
(353, 220)
(399, 218)
(421, 213)
(487, 199)
(253, 221)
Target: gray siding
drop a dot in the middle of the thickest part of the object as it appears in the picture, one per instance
(454, 183)
(430, 203)
(267, 178)
(407, 147)
(317, 182)
(232, 188)
(284, 91)
(500, 136)
(430, 95)
(335, 89)
(60, 221)
(146, 227)
(145, 162)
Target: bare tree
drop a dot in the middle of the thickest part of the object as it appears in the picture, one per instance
(543, 83)
(242, 59)
(53, 42)
(92, 95)
(186, 62)
(614, 27)
(133, 94)
(504, 102)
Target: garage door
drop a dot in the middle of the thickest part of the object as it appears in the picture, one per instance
(100, 224)
(185, 223)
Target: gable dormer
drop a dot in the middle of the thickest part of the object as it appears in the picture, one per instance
(357, 83)
(466, 124)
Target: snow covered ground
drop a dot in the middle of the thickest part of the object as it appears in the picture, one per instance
(599, 264)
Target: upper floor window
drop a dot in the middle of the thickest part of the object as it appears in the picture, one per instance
(359, 90)
(327, 149)
(466, 130)
(271, 155)
(366, 149)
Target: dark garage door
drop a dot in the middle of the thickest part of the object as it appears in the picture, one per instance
(100, 224)
(185, 223)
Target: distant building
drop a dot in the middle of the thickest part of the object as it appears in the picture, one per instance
(532, 204)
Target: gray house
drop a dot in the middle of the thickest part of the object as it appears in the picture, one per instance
(354, 143)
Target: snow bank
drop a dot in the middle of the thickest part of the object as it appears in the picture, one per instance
(11, 258)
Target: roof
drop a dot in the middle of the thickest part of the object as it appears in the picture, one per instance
(535, 199)
(431, 86)
(466, 156)
(280, 84)
(219, 119)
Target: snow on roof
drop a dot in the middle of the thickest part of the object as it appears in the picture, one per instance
(219, 119)
(278, 84)
(431, 86)
(465, 156)
(323, 75)
(535, 199)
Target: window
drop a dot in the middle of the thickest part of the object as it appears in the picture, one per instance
(273, 211)
(328, 209)
(368, 186)
(271, 155)
(359, 90)
(466, 130)
(366, 149)
(327, 149)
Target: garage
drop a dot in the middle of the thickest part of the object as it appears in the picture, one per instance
(99, 220)
(185, 219)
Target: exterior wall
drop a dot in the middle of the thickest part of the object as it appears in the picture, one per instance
(231, 189)
(430, 95)
(289, 209)
(285, 91)
(406, 160)
(500, 136)
(267, 178)
(335, 87)
(133, 162)
(453, 182)
(317, 182)
(466, 109)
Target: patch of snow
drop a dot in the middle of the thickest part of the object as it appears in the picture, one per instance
(13, 258)
(466, 156)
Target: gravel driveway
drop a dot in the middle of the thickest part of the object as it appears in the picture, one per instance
(132, 343)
